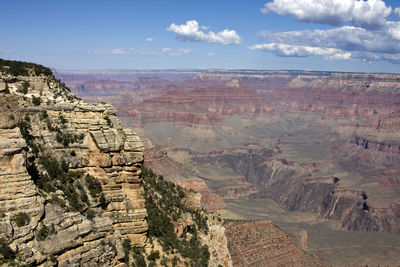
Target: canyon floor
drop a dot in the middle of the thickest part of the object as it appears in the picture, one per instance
(316, 153)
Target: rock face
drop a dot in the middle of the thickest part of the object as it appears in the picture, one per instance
(319, 142)
(93, 141)
(267, 126)
(71, 189)
(261, 243)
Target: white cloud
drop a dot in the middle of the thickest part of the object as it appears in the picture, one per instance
(368, 14)
(190, 32)
(179, 52)
(134, 51)
(302, 51)
(397, 12)
(211, 54)
(393, 28)
(150, 39)
(361, 43)
(369, 36)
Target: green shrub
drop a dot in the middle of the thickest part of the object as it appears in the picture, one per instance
(5, 250)
(62, 119)
(107, 119)
(21, 219)
(138, 257)
(6, 89)
(102, 201)
(43, 233)
(25, 128)
(15, 68)
(64, 138)
(25, 87)
(36, 100)
(154, 255)
(90, 214)
(93, 185)
(126, 245)
(165, 204)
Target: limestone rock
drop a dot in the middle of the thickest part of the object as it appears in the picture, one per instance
(92, 141)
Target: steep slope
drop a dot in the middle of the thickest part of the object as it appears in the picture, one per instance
(261, 243)
(71, 188)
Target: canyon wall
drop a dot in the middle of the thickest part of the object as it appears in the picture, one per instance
(71, 187)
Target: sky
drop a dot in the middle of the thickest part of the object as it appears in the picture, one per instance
(331, 35)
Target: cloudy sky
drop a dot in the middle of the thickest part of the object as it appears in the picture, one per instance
(338, 35)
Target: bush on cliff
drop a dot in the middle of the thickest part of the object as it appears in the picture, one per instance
(21, 219)
(16, 68)
(6, 251)
(165, 205)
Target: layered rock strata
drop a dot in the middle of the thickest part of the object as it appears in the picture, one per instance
(261, 243)
(92, 141)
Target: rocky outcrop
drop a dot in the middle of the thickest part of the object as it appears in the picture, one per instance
(386, 147)
(42, 119)
(71, 188)
(261, 243)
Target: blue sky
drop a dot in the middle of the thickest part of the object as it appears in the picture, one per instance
(338, 35)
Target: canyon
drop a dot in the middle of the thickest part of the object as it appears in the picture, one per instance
(73, 189)
(322, 146)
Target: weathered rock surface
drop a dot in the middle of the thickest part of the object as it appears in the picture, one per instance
(261, 243)
(101, 147)
(70, 179)
(287, 133)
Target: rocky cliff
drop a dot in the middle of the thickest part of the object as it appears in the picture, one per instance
(71, 189)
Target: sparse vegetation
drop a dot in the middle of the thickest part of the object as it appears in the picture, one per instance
(16, 68)
(126, 245)
(93, 185)
(107, 119)
(25, 128)
(138, 258)
(154, 255)
(5, 250)
(165, 205)
(62, 119)
(90, 214)
(42, 233)
(6, 89)
(36, 101)
(24, 88)
(58, 176)
(21, 219)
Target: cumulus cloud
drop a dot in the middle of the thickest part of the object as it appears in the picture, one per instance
(367, 14)
(350, 40)
(393, 28)
(134, 51)
(302, 51)
(368, 35)
(191, 32)
(150, 39)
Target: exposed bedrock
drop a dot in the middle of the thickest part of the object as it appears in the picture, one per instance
(383, 146)
(261, 243)
(292, 185)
